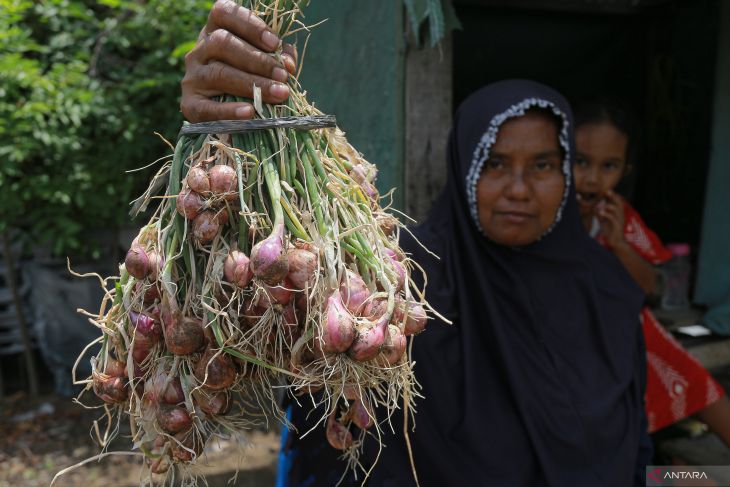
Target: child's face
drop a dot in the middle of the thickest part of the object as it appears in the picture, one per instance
(600, 162)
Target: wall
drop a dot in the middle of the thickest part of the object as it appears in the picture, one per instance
(713, 279)
(428, 121)
(353, 68)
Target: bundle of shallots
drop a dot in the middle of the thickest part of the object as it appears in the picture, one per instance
(268, 264)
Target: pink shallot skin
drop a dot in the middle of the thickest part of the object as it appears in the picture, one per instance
(198, 180)
(137, 262)
(338, 331)
(369, 340)
(268, 258)
(354, 291)
(338, 436)
(223, 181)
(237, 269)
(302, 267)
(394, 347)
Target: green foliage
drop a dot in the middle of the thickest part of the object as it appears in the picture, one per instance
(441, 19)
(83, 86)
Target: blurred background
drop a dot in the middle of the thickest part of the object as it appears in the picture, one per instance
(85, 85)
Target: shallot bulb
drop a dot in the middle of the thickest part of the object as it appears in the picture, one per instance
(215, 370)
(394, 346)
(183, 336)
(338, 436)
(237, 269)
(302, 267)
(221, 216)
(145, 325)
(360, 175)
(337, 332)
(173, 392)
(216, 403)
(188, 446)
(360, 414)
(159, 466)
(115, 368)
(109, 389)
(156, 264)
(150, 293)
(400, 273)
(371, 333)
(137, 262)
(205, 227)
(173, 419)
(189, 203)
(142, 347)
(369, 340)
(281, 294)
(268, 258)
(198, 180)
(354, 291)
(387, 223)
(415, 319)
(224, 181)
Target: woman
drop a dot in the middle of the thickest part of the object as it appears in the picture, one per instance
(539, 381)
(678, 385)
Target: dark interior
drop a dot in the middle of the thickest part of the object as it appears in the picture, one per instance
(658, 56)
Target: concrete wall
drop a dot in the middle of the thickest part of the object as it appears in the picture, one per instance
(713, 279)
(353, 68)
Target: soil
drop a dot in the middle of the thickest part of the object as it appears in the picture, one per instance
(44, 436)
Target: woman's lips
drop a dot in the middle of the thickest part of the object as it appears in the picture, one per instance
(516, 217)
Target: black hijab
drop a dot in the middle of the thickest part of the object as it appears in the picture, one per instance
(540, 379)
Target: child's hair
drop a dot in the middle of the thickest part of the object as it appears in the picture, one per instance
(618, 113)
(614, 111)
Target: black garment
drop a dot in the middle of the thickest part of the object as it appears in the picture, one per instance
(540, 379)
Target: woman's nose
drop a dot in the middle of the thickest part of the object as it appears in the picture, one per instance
(518, 188)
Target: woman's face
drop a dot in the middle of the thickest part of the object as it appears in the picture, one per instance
(600, 162)
(521, 186)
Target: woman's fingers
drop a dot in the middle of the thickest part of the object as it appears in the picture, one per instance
(199, 108)
(290, 57)
(222, 45)
(230, 16)
(232, 57)
(217, 78)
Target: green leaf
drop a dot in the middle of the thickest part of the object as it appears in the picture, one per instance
(182, 49)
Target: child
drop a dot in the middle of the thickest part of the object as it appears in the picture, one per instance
(677, 385)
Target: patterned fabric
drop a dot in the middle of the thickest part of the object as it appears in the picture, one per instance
(641, 238)
(677, 384)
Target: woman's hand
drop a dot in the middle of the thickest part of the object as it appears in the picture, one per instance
(610, 213)
(231, 57)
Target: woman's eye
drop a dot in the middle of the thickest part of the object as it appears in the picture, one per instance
(610, 166)
(493, 164)
(545, 165)
(581, 162)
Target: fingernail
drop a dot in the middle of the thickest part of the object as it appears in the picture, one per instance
(289, 63)
(244, 112)
(279, 91)
(280, 74)
(270, 40)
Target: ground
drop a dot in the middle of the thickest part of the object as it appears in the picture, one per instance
(43, 436)
(40, 437)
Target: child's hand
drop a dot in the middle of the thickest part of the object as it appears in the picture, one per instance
(610, 213)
